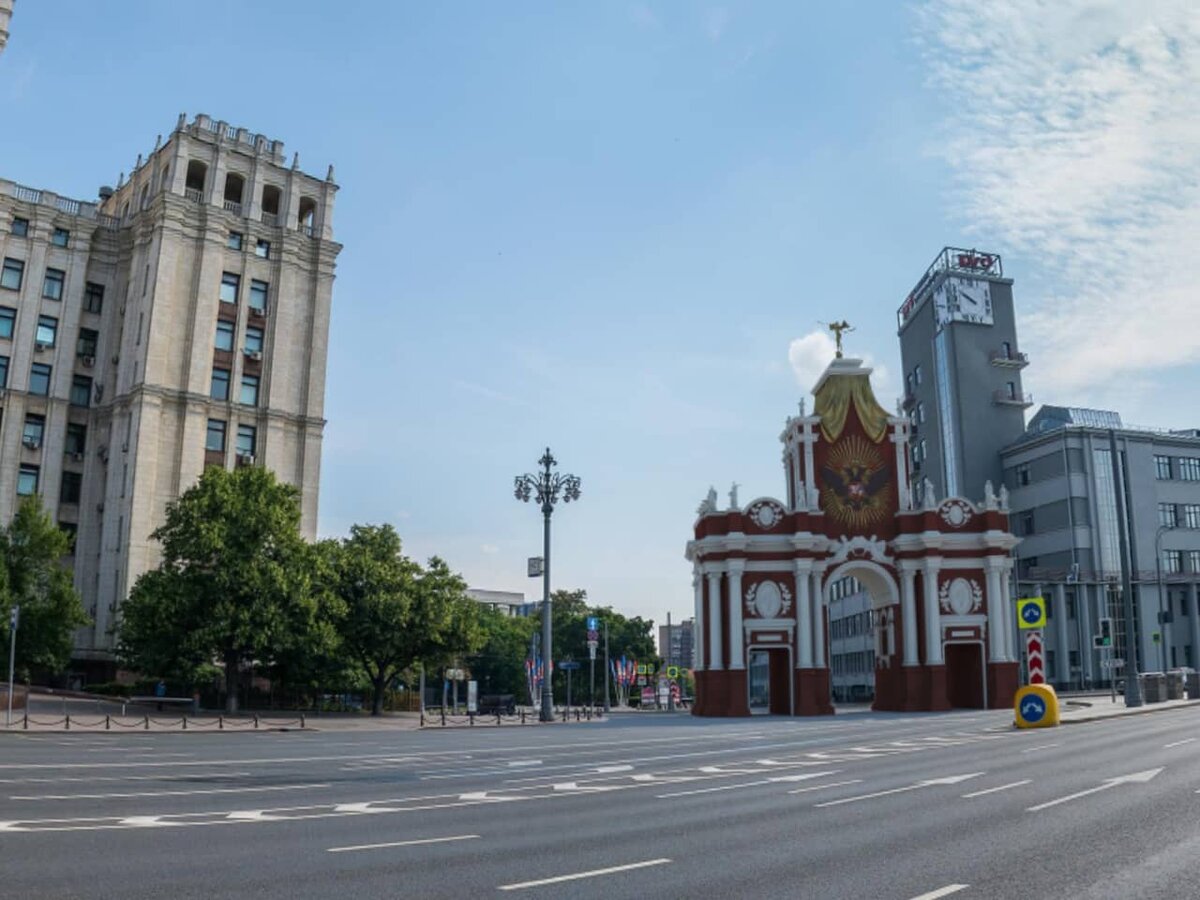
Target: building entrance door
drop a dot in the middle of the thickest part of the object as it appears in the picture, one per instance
(964, 675)
(760, 681)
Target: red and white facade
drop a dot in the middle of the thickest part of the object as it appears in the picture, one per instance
(938, 574)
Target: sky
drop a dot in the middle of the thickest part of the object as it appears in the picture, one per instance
(615, 228)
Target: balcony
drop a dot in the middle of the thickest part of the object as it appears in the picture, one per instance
(234, 207)
(1004, 398)
(270, 219)
(194, 194)
(1009, 359)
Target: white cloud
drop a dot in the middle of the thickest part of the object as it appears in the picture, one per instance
(490, 549)
(811, 354)
(1074, 139)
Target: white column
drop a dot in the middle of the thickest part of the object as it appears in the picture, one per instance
(714, 660)
(1010, 639)
(803, 616)
(902, 479)
(810, 438)
(1062, 656)
(1083, 609)
(995, 601)
(737, 634)
(908, 615)
(698, 621)
(818, 622)
(933, 617)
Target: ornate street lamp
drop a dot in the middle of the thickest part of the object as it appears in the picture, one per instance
(546, 486)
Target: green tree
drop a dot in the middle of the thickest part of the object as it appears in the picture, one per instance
(499, 666)
(32, 575)
(632, 637)
(234, 585)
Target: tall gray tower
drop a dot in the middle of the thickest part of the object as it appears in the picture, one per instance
(962, 372)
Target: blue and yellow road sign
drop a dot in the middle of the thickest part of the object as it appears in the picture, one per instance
(1031, 612)
(1036, 706)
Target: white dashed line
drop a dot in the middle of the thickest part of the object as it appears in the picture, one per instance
(441, 840)
(594, 873)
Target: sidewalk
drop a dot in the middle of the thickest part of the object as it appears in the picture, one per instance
(1094, 707)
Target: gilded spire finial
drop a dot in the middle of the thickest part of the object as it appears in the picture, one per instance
(838, 328)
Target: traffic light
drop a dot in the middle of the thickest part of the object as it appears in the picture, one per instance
(1105, 637)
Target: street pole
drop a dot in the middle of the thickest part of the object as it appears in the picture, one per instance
(14, 618)
(592, 679)
(1133, 689)
(607, 666)
(1162, 619)
(670, 646)
(547, 486)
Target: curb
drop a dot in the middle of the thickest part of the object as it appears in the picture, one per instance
(1146, 709)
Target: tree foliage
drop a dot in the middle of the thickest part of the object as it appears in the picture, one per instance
(32, 575)
(398, 614)
(234, 584)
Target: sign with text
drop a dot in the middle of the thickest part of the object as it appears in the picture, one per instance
(537, 566)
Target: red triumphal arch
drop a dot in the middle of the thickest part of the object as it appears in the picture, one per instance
(937, 571)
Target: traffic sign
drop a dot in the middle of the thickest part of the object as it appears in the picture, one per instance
(1035, 706)
(537, 566)
(593, 624)
(591, 649)
(1035, 658)
(1031, 612)
(672, 671)
(1117, 663)
(568, 665)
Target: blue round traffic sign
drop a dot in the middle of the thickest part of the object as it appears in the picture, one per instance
(1030, 613)
(1033, 708)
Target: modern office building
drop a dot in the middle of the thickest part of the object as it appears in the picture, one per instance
(177, 322)
(1067, 504)
(962, 372)
(852, 622)
(675, 643)
(509, 603)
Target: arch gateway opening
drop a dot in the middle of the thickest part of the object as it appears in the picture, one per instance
(937, 573)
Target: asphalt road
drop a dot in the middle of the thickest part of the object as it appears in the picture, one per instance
(868, 805)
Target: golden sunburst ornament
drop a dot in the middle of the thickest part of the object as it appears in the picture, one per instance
(857, 488)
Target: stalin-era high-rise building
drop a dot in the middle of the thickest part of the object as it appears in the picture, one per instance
(178, 322)
(962, 373)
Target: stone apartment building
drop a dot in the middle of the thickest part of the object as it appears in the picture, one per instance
(179, 321)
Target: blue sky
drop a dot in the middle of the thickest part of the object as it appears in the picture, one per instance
(614, 227)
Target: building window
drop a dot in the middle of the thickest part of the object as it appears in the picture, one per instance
(8, 318)
(224, 339)
(1194, 561)
(215, 441)
(81, 390)
(39, 379)
(1023, 476)
(1172, 561)
(72, 487)
(917, 374)
(1162, 468)
(87, 342)
(1011, 387)
(60, 237)
(1006, 347)
(1189, 468)
(93, 297)
(12, 274)
(76, 440)
(234, 241)
(247, 436)
(27, 481)
(254, 339)
(35, 431)
(1027, 523)
(52, 287)
(921, 413)
(220, 384)
(908, 383)
(258, 295)
(47, 330)
(20, 227)
(229, 287)
(1191, 515)
(262, 249)
(249, 394)
(3, 371)
(1168, 515)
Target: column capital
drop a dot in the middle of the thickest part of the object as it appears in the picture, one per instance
(735, 566)
(803, 566)
(712, 568)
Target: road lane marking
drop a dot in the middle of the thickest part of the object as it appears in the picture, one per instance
(1039, 747)
(525, 762)
(414, 843)
(943, 892)
(1178, 743)
(89, 779)
(1135, 778)
(233, 790)
(746, 784)
(929, 782)
(996, 790)
(824, 787)
(594, 873)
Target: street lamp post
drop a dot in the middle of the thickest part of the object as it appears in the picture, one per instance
(1162, 618)
(546, 486)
